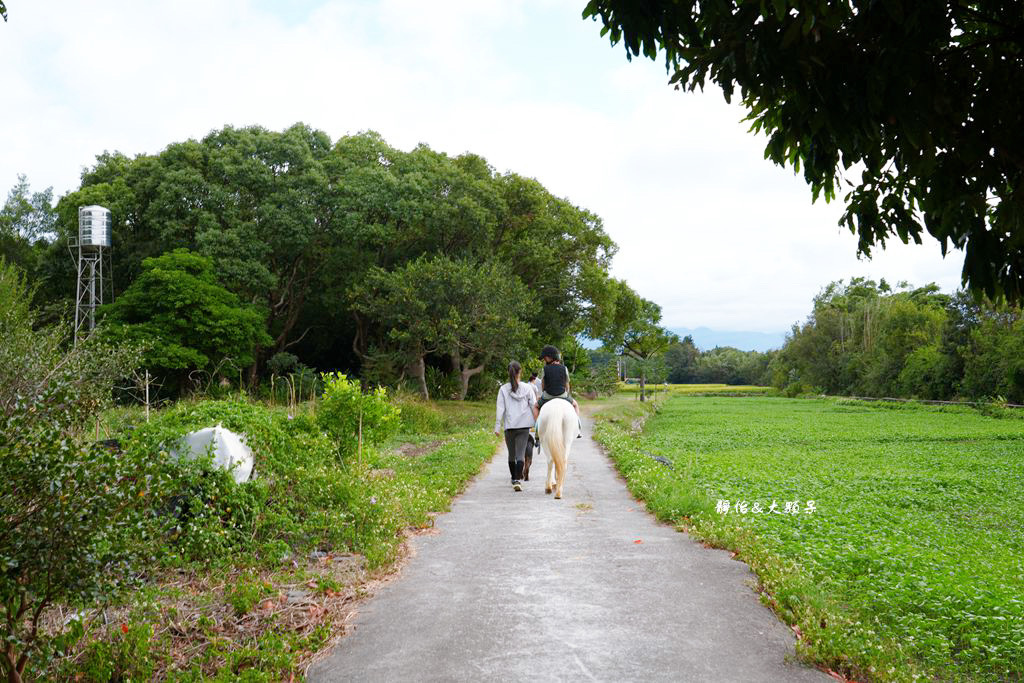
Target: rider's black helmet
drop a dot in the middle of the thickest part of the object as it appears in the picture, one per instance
(550, 352)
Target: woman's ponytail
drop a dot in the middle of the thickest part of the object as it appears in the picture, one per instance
(513, 375)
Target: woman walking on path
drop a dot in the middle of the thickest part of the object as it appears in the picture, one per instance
(517, 408)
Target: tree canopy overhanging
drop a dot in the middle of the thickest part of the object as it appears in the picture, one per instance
(919, 97)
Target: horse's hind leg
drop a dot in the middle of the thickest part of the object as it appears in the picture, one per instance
(560, 471)
(548, 481)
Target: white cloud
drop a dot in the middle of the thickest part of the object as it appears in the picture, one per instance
(706, 227)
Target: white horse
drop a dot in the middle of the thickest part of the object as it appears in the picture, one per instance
(557, 426)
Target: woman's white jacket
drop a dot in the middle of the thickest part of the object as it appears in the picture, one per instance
(515, 408)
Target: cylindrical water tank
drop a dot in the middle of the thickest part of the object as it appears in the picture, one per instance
(93, 226)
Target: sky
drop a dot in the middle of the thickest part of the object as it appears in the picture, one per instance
(705, 226)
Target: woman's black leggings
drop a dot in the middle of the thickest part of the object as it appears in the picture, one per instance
(515, 440)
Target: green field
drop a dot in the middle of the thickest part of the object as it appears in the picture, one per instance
(702, 389)
(912, 562)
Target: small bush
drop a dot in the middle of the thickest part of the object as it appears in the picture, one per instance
(123, 656)
(298, 500)
(244, 595)
(795, 389)
(418, 416)
(68, 508)
(349, 415)
(282, 363)
(441, 385)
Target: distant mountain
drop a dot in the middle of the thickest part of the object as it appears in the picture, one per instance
(706, 339)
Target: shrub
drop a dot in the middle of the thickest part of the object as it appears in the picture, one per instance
(795, 389)
(442, 385)
(299, 499)
(418, 416)
(245, 594)
(68, 509)
(124, 656)
(282, 363)
(349, 415)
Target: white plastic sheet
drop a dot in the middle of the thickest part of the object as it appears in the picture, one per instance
(228, 450)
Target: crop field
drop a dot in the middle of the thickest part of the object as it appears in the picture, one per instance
(909, 562)
(703, 389)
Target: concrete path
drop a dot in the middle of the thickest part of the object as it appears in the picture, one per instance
(522, 587)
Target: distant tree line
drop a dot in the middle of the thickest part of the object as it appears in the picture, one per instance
(867, 338)
(348, 255)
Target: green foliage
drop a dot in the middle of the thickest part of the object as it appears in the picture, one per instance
(635, 331)
(910, 564)
(186, 319)
(125, 655)
(866, 338)
(295, 222)
(994, 357)
(442, 385)
(600, 380)
(838, 85)
(300, 383)
(298, 500)
(68, 508)
(283, 363)
(350, 415)
(472, 312)
(253, 201)
(685, 363)
(681, 359)
(245, 594)
(301, 500)
(924, 373)
(27, 222)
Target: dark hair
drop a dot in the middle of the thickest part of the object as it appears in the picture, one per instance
(551, 352)
(533, 376)
(513, 369)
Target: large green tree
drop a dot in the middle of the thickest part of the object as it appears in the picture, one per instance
(681, 359)
(295, 222)
(257, 202)
(474, 313)
(634, 330)
(27, 223)
(185, 319)
(911, 103)
(398, 206)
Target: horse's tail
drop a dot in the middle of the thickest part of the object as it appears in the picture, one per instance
(553, 437)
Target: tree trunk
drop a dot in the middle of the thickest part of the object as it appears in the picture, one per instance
(254, 368)
(421, 373)
(465, 373)
(643, 383)
(14, 673)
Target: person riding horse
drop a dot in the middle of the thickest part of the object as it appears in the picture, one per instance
(555, 380)
(558, 424)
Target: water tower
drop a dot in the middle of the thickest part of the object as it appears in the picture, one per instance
(94, 268)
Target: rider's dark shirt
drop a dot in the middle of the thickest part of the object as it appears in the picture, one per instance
(555, 379)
